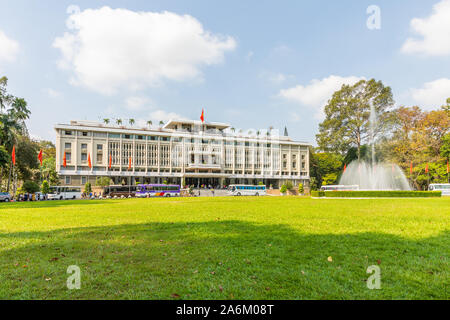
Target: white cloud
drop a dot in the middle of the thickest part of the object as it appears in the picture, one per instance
(434, 32)
(161, 115)
(137, 103)
(110, 49)
(316, 94)
(9, 48)
(432, 95)
(52, 93)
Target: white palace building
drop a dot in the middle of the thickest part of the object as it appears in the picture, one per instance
(180, 152)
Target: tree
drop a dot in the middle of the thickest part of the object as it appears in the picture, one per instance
(106, 121)
(161, 123)
(30, 187)
(149, 123)
(445, 148)
(103, 182)
(5, 98)
(324, 166)
(301, 190)
(49, 171)
(131, 122)
(45, 187)
(87, 188)
(352, 154)
(348, 113)
(4, 160)
(48, 149)
(283, 189)
(119, 122)
(289, 185)
(26, 157)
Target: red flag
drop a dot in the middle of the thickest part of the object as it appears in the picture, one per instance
(64, 160)
(13, 155)
(40, 157)
(89, 161)
(426, 168)
(129, 163)
(110, 161)
(345, 167)
(202, 117)
(411, 168)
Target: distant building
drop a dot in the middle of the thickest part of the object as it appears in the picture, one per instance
(186, 151)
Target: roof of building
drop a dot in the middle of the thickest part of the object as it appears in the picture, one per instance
(171, 124)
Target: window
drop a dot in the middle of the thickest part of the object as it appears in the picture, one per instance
(67, 180)
(153, 138)
(127, 136)
(114, 135)
(165, 138)
(294, 164)
(84, 146)
(84, 157)
(140, 137)
(68, 156)
(99, 147)
(99, 158)
(68, 133)
(67, 145)
(83, 180)
(84, 134)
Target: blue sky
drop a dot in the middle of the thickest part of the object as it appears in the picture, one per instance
(252, 64)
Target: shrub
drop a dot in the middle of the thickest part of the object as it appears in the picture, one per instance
(30, 187)
(382, 194)
(283, 188)
(103, 181)
(300, 188)
(45, 187)
(317, 194)
(87, 188)
(289, 185)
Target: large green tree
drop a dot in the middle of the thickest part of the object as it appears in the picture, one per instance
(347, 116)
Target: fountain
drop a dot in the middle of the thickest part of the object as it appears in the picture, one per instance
(373, 175)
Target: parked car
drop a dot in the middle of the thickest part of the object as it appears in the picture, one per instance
(5, 197)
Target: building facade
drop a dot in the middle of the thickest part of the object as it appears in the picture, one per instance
(181, 152)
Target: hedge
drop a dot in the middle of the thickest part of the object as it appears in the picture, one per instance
(317, 194)
(376, 194)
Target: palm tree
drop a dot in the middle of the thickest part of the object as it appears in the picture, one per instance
(149, 123)
(233, 129)
(106, 121)
(119, 122)
(131, 122)
(258, 133)
(161, 123)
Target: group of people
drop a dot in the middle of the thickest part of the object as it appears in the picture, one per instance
(31, 197)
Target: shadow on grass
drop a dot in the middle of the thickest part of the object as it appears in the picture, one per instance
(220, 260)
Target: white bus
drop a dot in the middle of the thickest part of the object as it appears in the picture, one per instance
(339, 188)
(246, 190)
(64, 193)
(443, 187)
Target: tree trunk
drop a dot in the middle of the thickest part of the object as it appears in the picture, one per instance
(1, 178)
(9, 176)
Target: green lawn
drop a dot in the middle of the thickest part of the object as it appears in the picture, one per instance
(226, 248)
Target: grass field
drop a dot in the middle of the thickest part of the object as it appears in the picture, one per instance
(226, 248)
